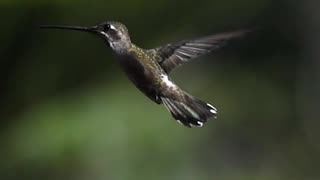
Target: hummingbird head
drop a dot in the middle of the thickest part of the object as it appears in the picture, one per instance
(114, 33)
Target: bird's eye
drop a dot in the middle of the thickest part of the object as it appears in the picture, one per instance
(106, 27)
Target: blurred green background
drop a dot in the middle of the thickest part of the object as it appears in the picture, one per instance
(68, 112)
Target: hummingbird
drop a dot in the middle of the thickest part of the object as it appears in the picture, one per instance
(149, 69)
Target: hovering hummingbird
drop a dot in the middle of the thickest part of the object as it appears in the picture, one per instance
(148, 69)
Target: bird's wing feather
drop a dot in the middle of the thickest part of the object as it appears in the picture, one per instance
(173, 55)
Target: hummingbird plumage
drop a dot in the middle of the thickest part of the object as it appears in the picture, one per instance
(149, 69)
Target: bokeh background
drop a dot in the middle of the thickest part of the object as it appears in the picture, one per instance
(68, 112)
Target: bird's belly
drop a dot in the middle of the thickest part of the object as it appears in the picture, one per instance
(142, 77)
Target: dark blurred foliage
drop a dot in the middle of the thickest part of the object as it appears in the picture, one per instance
(68, 112)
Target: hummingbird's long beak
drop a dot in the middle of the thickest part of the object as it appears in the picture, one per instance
(92, 29)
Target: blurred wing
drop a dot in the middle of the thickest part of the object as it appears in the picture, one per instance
(173, 55)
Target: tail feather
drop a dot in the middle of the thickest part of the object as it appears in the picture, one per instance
(190, 112)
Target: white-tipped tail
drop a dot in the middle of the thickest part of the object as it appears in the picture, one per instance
(191, 112)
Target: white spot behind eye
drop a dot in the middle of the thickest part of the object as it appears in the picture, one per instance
(112, 27)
